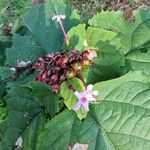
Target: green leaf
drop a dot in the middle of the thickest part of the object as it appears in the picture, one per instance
(70, 99)
(47, 33)
(5, 73)
(107, 65)
(2, 120)
(23, 49)
(3, 46)
(92, 35)
(50, 139)
(31, 134)
(119, 121)
(132, 34)
(45, 97)
(139, 60)
(105, 19)
(22, 109)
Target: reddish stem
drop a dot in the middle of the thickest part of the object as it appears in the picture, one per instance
(64, 32)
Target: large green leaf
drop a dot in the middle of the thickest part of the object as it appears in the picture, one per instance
(46, 32)
(30, 135)
(107, 65)
(139, 60)
(133, 34)
(23, 49)
(22, 109)
(45, 97)
(92, 35)
(119, 121)
(109, 61)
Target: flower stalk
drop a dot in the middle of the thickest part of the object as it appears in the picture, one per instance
(59, 19)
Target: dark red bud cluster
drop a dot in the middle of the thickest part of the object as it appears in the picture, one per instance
(60, 66)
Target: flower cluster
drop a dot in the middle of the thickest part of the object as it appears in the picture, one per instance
(64, 65)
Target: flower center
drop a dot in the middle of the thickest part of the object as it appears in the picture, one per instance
(83, 100)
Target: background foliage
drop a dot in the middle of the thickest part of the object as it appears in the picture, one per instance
(44, 120)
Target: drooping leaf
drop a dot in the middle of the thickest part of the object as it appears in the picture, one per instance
(133, 34)
(119, 121)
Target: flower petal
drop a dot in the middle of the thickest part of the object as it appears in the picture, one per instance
(77, 106)
(19, 142)
(95, 93)
(13, 69)
(86, 106)
(89, 87)
(54, 17)
(63, 16)
(10, 25)
(77, 94)
(92, 99)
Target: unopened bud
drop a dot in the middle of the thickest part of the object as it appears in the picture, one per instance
(77, 66)
(86, 63)
(70, 74)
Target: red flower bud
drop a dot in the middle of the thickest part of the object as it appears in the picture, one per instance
(62, 62)
(37, 1)
(74, 52)
(55, 88)
(50, 56)
(53, 79)
(40, 64)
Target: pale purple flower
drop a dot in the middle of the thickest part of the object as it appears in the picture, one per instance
(85, 98)
(20, 64)
(13, 69)
(10, 25)
(19, 142)
(23, 63)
